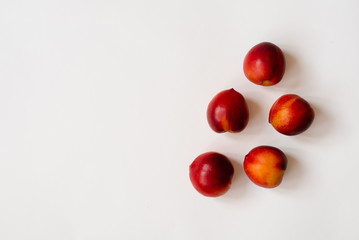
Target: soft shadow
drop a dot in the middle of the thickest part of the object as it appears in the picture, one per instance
(239, 184)
(320, 127)
(255, 112)
(237, 170)
(293, 174)
(322, 122)
(255, 124)
(292, 75)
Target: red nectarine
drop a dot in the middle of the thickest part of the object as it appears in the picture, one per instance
(291, 115)
(227, 111)
(264, 64)
(265, 166)
(211, 174)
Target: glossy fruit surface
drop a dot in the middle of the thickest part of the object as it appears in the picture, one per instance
(291, 115)
(211, 174)
(264, 64)
(228, 112)
(265, 166)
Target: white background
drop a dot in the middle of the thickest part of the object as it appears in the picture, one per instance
(103, 108)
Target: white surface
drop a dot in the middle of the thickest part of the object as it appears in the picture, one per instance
(103, 108)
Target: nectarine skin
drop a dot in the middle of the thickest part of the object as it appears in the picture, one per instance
(264, 64)
(291, 115)
(265, 166)
(211, 174)
(228, 112)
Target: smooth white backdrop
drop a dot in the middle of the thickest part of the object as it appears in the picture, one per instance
(103, 108)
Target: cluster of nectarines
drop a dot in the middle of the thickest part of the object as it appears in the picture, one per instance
(211, 173)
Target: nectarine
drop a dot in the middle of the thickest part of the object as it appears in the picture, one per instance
(227, 111)
(291, 115)
(211, 174)
(265, 166)
(264, 64)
